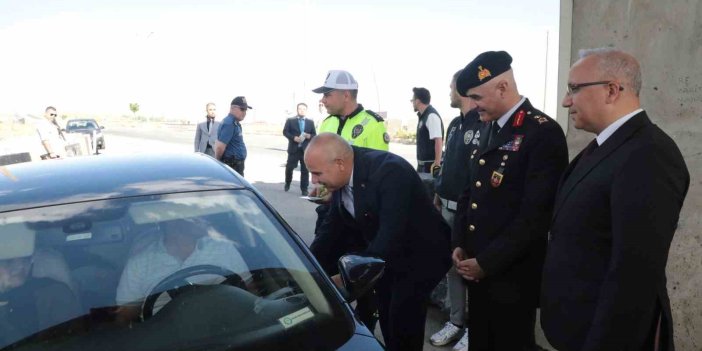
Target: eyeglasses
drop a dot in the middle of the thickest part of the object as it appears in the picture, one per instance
(574, 88)
(53, 115)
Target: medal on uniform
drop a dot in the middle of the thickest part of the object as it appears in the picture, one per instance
(476, 138)
(496, 179)
(468, 137)
(357, 130)
(514, 144)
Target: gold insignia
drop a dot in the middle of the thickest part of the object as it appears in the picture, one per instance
(483, 73)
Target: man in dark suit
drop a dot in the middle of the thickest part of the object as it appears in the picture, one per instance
(206, 132)
(379, 207)
(502, 219)
(298, 130)
(604, 283)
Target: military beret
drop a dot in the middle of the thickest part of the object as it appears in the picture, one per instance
(484, 67)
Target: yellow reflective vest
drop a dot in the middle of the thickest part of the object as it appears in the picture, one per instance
(362, 128)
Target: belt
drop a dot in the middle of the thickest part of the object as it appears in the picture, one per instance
(451, 205)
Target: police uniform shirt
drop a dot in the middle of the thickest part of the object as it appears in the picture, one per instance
(463, 137)
(231, 134)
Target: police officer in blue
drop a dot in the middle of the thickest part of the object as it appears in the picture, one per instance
(502, 220)
(463, 137)
(230, 147)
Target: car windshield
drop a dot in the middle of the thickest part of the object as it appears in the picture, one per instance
(142, 272)
(80, 124)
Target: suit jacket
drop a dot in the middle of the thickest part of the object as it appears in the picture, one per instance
(292, 129)
(503, 215)
(616, 211)
(394, 220)
(202, 136)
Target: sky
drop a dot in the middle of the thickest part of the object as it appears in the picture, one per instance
(91, 57)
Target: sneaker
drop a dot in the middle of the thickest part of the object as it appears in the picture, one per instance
(287, 187)
(462, 345)
(447, 334)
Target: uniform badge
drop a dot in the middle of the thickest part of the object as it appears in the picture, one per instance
(357, 130)
(542, 120)
(420, 125)
(496, 179)
(519, 119)
(476, 139)
(483, 73)
(468, 137)
(386, 138)
(514, 144)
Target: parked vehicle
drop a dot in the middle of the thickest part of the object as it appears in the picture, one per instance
(162, 252)
(88, 126)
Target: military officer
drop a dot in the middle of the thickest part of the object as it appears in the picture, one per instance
(500, 229)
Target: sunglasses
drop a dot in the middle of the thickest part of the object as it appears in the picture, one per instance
(53, 115)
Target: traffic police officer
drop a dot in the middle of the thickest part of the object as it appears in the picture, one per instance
(502, 220)
(348, 118)
(463, 137)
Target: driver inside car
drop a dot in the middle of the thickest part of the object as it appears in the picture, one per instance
(29, 304)
(182, 244)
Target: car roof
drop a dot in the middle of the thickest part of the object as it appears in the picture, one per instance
(81, 120)
(77, 179)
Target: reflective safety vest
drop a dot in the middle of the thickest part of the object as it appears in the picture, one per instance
(362, 128)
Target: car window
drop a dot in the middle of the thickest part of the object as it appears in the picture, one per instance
(117, 273)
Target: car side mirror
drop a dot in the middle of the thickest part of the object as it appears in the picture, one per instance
(359, 274)
(102, 127)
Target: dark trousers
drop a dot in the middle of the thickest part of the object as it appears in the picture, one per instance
(499, 325)
(402, 304)
(237, 165)
(424, 167)
(293, 159)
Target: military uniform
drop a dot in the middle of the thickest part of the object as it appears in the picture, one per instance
(363, 128)
(502, 220)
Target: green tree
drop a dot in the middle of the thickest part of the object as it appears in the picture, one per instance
(134, 107)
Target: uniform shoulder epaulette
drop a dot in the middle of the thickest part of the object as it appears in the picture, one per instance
(537, 116)
(376, 116)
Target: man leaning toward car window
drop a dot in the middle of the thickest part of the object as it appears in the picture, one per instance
(183, 244)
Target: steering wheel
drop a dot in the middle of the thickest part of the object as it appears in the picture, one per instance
(177, 283)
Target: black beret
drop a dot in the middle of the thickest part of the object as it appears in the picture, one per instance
(484, 67)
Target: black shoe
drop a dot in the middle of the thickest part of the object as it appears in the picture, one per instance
(304, 192)
(287, 187)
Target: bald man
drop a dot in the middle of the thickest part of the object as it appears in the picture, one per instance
(618, 205)
(380, 208)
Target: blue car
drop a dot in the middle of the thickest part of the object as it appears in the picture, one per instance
(162, 252)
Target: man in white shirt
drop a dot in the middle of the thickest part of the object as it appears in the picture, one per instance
(183, 244)
(50, 134)
(430, 131)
